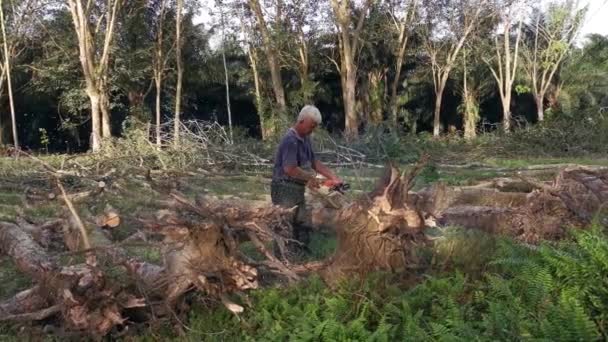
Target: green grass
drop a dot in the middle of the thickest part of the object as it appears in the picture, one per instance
(523, 163)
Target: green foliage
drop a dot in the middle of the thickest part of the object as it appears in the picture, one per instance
(44, 138)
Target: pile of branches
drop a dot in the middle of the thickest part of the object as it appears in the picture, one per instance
(200, 244)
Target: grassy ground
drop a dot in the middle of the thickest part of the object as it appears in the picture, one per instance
(267, 317)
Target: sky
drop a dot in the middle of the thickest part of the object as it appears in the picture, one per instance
(595, 22)
(597, 18)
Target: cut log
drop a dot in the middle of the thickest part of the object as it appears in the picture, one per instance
(108, 219)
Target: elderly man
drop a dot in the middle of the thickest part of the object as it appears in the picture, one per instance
(294, 167)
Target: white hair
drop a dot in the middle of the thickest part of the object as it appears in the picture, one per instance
(312, 112)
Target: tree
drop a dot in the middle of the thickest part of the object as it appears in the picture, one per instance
(94, 24)
(553, 33)
(160, 64)
(476, 83)
(16, 23)
(504, 69)
(180, 71)
(249, 47)
(583, 79)
(402, 15)
(448, 25)
(223, 24)
(348, 42)
(7, 71)
(272, 57)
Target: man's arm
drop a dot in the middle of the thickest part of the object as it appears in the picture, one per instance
(297, 173)
(326, 172)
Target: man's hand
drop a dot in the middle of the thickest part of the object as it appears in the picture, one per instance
(313, 183)
(330, 183)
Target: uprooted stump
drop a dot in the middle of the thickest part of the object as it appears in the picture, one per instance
(379, 231)
(203, 250)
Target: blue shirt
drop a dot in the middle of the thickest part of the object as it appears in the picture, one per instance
(293, 150)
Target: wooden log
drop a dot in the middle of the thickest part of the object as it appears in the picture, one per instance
(24, 302)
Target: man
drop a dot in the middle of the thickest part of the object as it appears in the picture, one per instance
(294, 167)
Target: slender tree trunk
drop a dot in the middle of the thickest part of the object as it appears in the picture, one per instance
(272, 58)
(351, 117)
(158, 85)
(180, 72)
(468, 132)
(437, 113)
(7, 68)
(265, 130)
(104, 107)
(95, 119)
(348, 39)
(95, 63)
(395, 83)
(159, 67)
(506, 112)
(228, 97)
(304, 80)
(540, 110)
(227, 81)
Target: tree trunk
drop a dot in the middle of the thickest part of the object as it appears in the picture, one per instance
(180, 73)
(437, 111)
(94, 98)
(265, 129)
(158, 84)
(94, 64)
(540, 111)
(104, 107)
(226, 79)
(351, 117)
(64, 285)
(395, 84)
(506, 118)
(159, 67)
(7, 68)
(272, 58)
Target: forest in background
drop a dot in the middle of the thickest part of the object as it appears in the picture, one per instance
(80, 72)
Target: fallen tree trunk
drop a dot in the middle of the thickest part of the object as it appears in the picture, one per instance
(24, 302)
(574, 198)
(80, 290)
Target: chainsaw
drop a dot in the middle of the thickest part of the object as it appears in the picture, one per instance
(331, 194)
(340, 188)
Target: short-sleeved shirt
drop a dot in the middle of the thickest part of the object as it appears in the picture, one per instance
(293, 150)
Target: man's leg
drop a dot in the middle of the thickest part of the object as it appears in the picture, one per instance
(291, 195)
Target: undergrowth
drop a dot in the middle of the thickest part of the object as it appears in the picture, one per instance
(494, 290)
